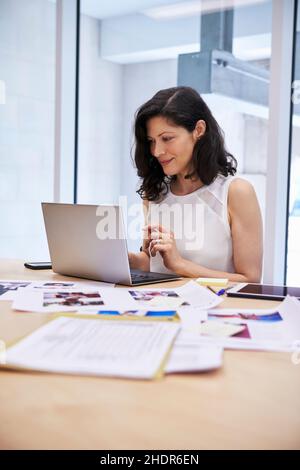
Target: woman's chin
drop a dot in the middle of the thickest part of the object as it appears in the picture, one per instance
(170, 172)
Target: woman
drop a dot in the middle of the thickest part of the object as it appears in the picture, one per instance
(202, 221)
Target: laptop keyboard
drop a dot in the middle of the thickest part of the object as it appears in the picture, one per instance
(139, 276)
(142, 277)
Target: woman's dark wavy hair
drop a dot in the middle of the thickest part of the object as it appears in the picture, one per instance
(182, 106)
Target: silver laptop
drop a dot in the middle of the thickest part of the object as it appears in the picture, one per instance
(89, 241)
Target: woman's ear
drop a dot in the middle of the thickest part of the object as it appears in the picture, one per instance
(200, 129)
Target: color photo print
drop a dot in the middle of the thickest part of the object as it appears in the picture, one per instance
(72, 299)
(236, 324)
(273, 317)
(55, 285)
(139, 313)
(158, 298)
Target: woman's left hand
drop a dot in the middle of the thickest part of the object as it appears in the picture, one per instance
(163, 242)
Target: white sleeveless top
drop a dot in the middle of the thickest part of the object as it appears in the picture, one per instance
(200, 224)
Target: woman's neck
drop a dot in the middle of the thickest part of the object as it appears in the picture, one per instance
(181, 186)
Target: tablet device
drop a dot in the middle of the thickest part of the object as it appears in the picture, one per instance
(263, 291)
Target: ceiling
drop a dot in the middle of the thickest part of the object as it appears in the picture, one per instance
(104, 9)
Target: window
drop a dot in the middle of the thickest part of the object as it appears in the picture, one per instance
(293, 253)
(27, 73)
(130, 50)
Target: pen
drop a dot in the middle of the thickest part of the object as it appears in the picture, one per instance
(208, 287)
(222, 291)
(219, 292)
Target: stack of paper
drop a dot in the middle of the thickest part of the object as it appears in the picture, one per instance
(68, 345)
(96, 347)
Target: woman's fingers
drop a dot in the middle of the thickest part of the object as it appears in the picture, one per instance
(161, 249)
(161, 245)
(151, 246)
(160, 236)
(156, 235)
(156, 228)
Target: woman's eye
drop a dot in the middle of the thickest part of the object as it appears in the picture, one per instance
(164, 139)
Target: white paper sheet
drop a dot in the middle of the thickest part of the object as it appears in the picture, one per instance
(191, 317)
(85, 301)
(268, 329)
(96, 347)
(29, 300)
(193, 356)
(189, 295)
(156, 298)
(198, 296)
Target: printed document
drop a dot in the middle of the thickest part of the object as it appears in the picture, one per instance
(71, 345)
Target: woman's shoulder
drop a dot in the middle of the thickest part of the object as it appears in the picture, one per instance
(240, 192)
(240, 187)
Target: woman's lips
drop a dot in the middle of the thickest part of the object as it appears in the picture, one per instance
(166, 162)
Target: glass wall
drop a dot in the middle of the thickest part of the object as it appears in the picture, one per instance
(27, 74)
(293, 253)
(130, 50)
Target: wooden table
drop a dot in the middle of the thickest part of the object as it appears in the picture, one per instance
(253, 401)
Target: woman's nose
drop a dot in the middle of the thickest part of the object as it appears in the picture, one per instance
(158, 150)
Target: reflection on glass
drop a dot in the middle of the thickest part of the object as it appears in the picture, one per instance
(293, 253)
(128, 52)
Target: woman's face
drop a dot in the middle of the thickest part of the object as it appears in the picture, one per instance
(172, 145)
